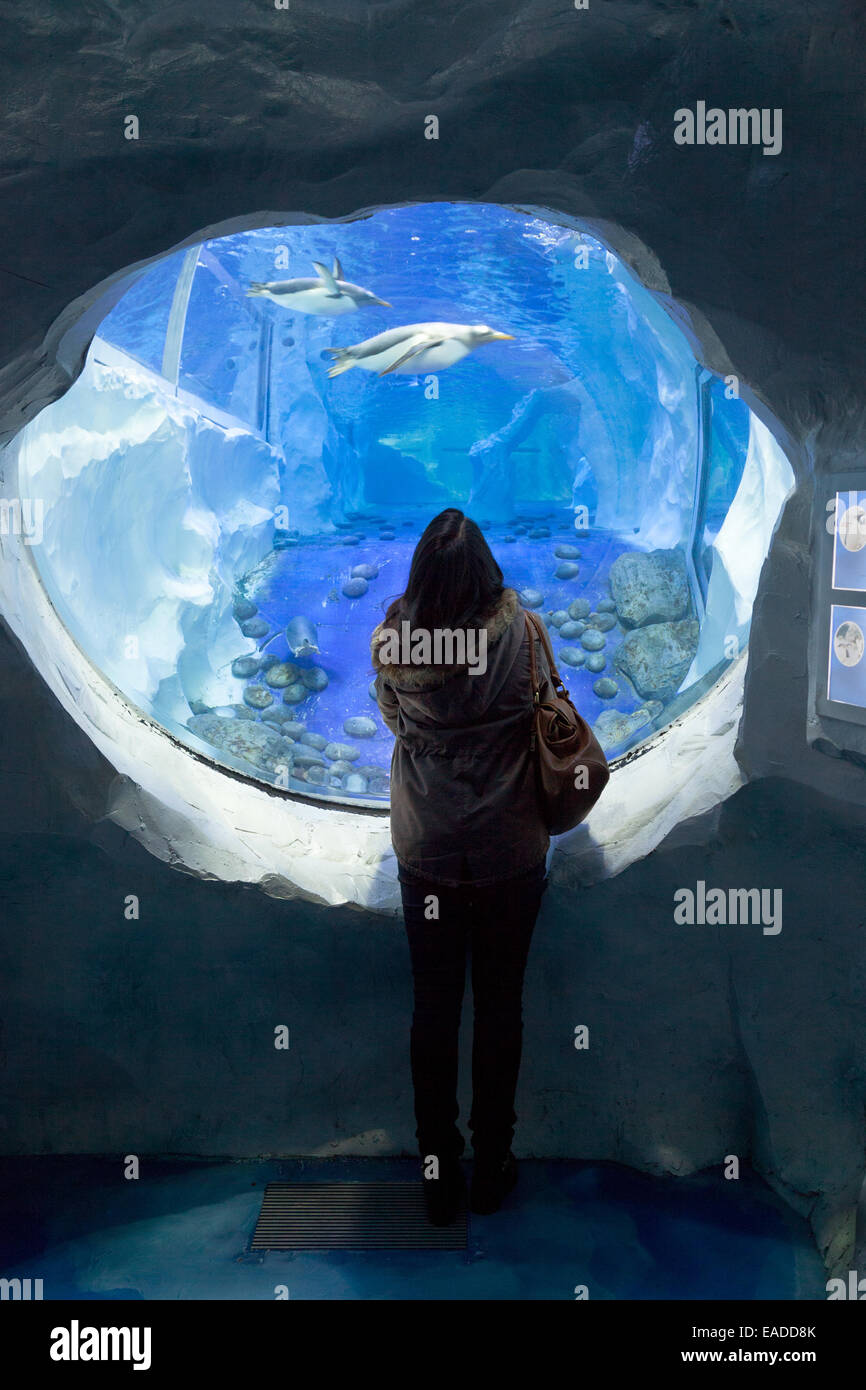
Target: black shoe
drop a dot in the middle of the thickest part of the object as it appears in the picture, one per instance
(492, 1180)
(445, 1196)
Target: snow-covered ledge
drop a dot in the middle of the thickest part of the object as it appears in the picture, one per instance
(221, 824)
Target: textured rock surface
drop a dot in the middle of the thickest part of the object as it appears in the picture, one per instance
(612, 728)
(656, 658)
(651, 588)
(242, 738)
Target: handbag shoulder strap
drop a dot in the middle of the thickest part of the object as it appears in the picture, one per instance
(533, 668)
(539, 627)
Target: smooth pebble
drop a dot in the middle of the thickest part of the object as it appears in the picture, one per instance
(572, 656)
(315, 678)
(359, 726)
(342, 752)
(311, 740)
(355, 588)
(307, 757)
(606, 688)
(281, 674)
(531, 598)
(257, 697)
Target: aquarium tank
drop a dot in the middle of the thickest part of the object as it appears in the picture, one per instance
(234, 485)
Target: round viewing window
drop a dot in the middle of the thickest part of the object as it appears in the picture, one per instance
(233, 487)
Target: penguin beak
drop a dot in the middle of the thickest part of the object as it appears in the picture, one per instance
(509, 336)
(384, 303)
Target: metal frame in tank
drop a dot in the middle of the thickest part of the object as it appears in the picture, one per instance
(697, 578)
(168, 378)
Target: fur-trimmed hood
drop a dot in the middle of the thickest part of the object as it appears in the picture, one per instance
(426, 677)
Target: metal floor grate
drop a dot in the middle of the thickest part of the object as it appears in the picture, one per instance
(351, 1216)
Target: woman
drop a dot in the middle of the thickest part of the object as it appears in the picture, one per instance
(469, 839)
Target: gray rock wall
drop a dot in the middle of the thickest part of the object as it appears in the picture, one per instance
(151, 1037)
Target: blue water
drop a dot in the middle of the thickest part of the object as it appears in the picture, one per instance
(592, 415)
(308, 579)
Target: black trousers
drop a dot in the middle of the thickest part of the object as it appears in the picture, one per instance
(496, 924)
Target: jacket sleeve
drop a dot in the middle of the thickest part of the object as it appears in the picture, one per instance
(387, 702)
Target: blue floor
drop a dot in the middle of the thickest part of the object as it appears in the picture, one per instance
(182, 1230)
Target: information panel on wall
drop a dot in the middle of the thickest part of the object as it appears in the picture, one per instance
(847, 669)
(842, 686)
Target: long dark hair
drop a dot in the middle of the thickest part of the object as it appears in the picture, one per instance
(454, 579)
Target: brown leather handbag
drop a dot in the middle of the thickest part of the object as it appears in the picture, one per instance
(572, 771)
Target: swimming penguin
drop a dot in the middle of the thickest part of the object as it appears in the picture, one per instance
(328, 294)
(302, 637)
(416, 347)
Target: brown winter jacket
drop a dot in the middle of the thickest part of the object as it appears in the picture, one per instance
(464, 806)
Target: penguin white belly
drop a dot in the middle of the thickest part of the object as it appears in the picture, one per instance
(432, 359)
(316, 301)
(435, 359)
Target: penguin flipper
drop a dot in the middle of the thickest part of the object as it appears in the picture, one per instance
(337, 271)
(412, 351)
(334, 291)
(345, 361)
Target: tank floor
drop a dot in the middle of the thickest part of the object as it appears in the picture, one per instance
(183, 1232)
(306, 579)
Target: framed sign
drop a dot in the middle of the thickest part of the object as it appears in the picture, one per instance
(841, 601)
(849, 541)
(846, 668)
